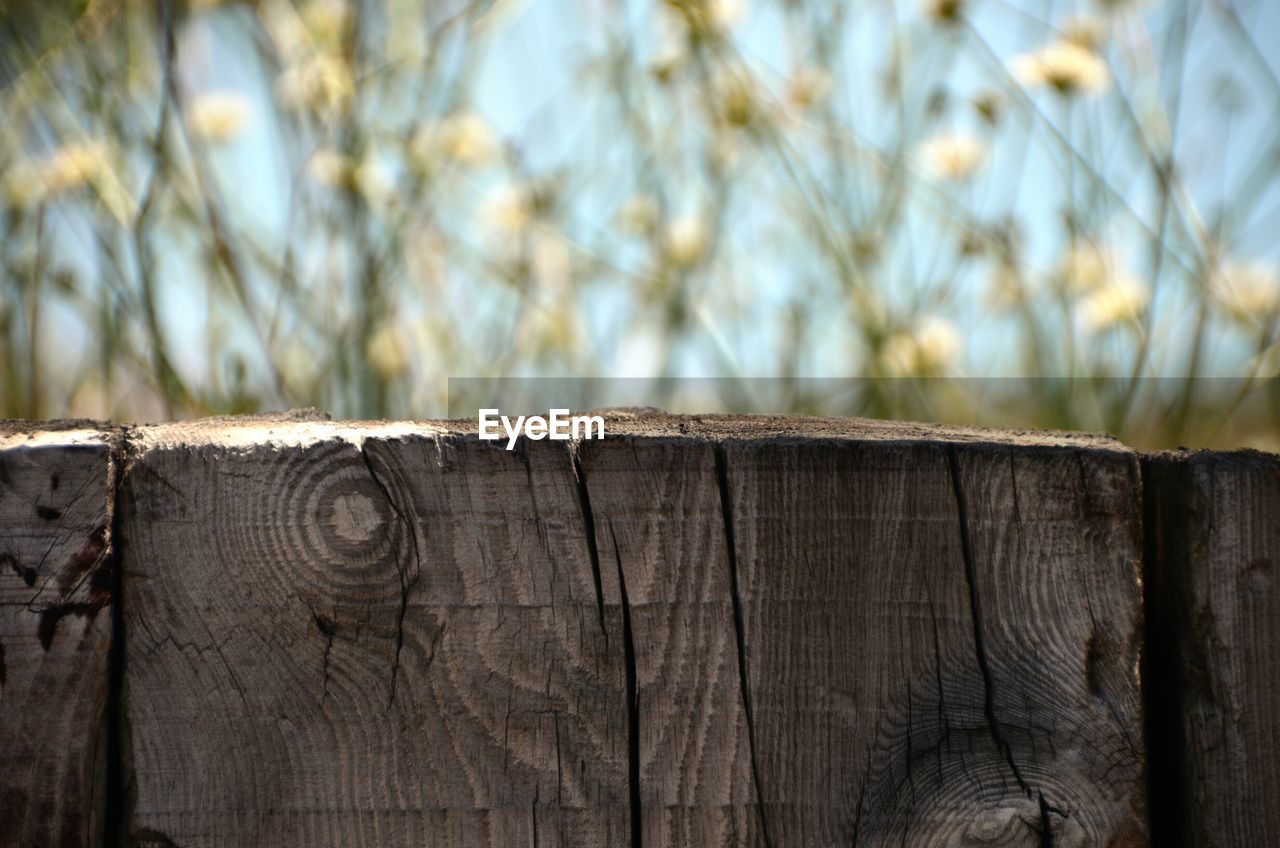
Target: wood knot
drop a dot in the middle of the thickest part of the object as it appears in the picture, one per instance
(355, 517)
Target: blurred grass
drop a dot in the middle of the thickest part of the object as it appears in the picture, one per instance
(222, 207)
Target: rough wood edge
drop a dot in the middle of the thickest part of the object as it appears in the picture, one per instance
(303, 427)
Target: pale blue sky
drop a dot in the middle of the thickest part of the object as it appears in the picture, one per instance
(531, 87)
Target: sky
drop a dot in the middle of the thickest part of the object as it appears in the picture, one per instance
(531, 85)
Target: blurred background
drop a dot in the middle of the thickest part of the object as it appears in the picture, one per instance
(1021, 212)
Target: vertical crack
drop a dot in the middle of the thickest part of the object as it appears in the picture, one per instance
(328, 628)
(1046, 826)
(589, 527)
(944, 726)
(406, 584)
(975, 610)
(633, 703)
(1166, 617)
(533, 815)
(726, 511)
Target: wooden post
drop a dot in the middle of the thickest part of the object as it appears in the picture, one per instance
(942, 640)
(1214, 644)
(697, 631)
(743, 632)
(56, 489)
(351, 637)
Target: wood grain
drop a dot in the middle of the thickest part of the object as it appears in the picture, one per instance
(55, 635)
(659, 521)
(941, 642)
(391, 642)
(347, 634)
(1215, 609)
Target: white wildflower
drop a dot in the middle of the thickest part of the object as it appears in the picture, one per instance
(371, 180)
(72, 166)
(938, 343)
(319, 81)
(330, 168)
(931, 346)
(1247, 290)
(725, 14)
(463, 137)
(1087, 265)
(218, 117)
(953, 156)
(685, 240)
(697, 20)
(1064, 66)
(1122, 298)
(509, 209)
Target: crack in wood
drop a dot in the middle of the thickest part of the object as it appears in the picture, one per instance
(633, 703)
(1166, 549)
(975, 607)
(327, 628)
(406, 584)
(589, 529)
(1046, 826)
(739, 630)
(1100, 644)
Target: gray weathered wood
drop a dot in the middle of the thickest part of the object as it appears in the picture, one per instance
(55, 633)
(699, 631)
(1215, 609)
(367, 640)
(659, 523)
(941, 641)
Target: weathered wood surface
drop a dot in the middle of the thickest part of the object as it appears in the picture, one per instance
(353, 636)
(55, 634)
(942, 642)
(1211, 572)
(369, 641)
(699, 631)
(660, 529)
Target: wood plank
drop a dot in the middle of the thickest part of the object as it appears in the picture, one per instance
(363, 638)
(1215, 635)
(941, 641)
(659, 521)
(55, 633)
(711, 631)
